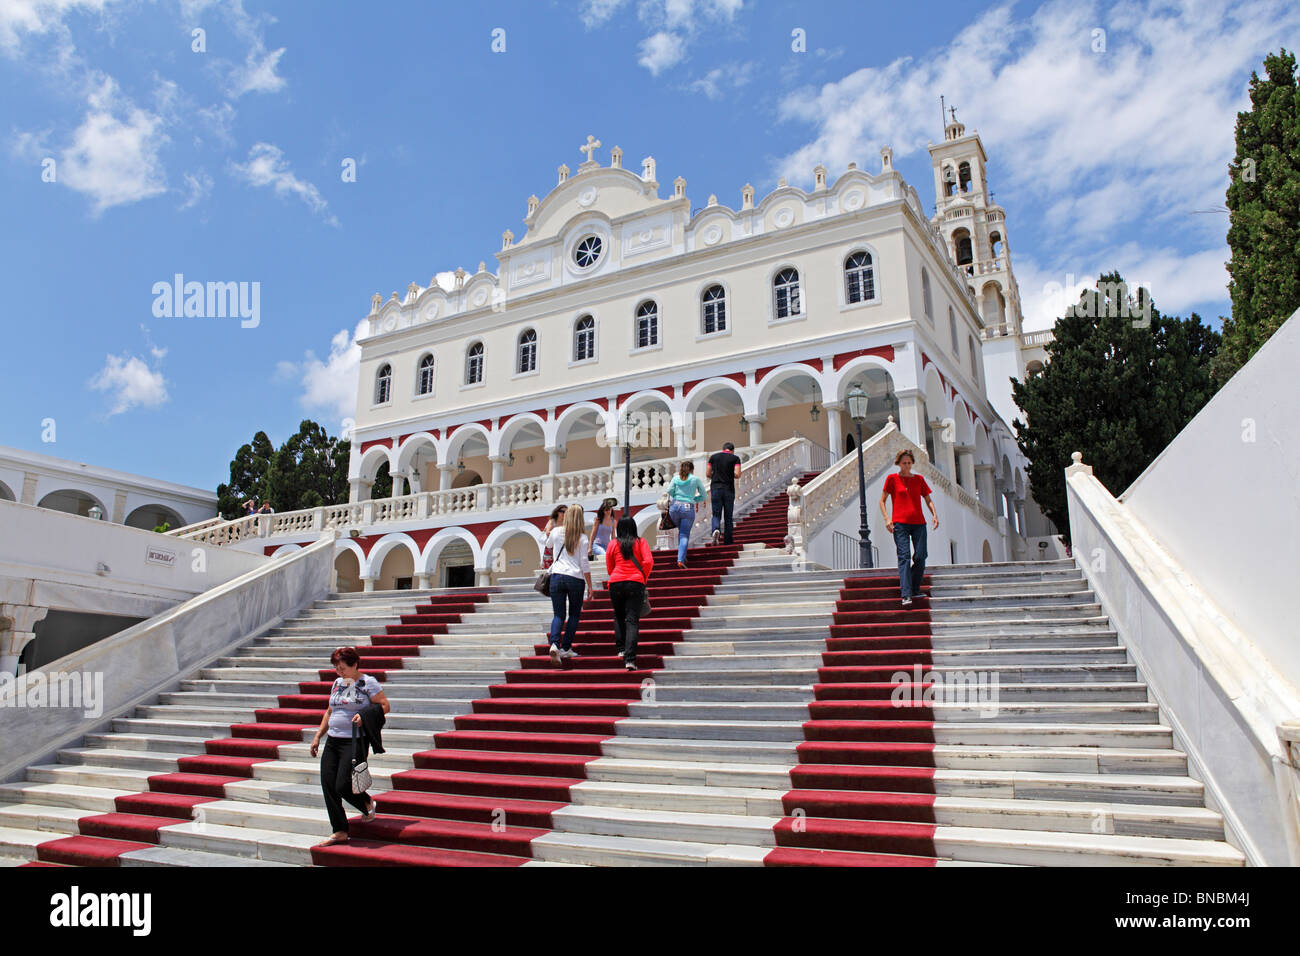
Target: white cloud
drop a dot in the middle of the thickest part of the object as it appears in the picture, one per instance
(22, 18)
(328, 386)
(674, 25)
(719, 80)
(1179, 283)
(131, 383)
(114, 159)
(267, 166)
(1102, 143)
(258, 75)
(198, 186)
(661, 51)
(598, 12)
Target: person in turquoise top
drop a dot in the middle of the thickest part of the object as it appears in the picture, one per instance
(684, 494)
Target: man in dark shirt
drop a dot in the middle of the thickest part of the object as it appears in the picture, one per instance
(723, 469)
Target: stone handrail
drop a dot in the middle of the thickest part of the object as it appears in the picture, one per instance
(133, 666)
(197, 526)
(759, 476)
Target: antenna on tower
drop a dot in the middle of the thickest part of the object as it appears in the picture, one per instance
(943, 113)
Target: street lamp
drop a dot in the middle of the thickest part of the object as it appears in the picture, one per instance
(857, 402)
(96, 512)
(628, 428)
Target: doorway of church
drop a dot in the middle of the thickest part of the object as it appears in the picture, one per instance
(460, 576)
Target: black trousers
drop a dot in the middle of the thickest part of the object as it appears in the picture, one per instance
(626, 596)
(723, 499)
(336, 779)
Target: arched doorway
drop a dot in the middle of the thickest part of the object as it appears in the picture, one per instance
(153, 516)
(72, 502)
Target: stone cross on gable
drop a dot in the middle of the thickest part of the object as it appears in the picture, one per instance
(589, 147)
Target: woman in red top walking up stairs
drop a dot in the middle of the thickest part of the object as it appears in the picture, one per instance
(628, 562)
(908, 524)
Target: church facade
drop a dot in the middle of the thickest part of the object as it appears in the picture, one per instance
(622, 322)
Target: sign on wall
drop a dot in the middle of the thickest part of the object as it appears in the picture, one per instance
(161, 556)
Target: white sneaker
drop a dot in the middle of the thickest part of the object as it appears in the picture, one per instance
(568, 654)
(907, 602)
(555, 653)
(717, 537)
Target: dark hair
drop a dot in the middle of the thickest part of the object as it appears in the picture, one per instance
(728, 446)
(348, 655)
(686, 468)
(904, 454)
(626, 533)
(555, 512)
(602, 511)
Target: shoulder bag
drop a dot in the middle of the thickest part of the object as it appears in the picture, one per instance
(360, 771)
(645, 597)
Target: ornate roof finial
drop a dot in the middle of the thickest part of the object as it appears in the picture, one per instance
(616, 158)
(564, 172)
(589, 147)
(376, 301)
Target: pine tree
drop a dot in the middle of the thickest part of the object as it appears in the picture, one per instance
(1120, 382)
(249, 477)
(309, 470)
(1264, 214)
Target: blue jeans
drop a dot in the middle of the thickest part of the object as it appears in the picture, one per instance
(910, 541)
(565, 588)
(683, 512)
(723, 499)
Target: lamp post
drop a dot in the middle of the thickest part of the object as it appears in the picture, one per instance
(628, 428)
(857, 402)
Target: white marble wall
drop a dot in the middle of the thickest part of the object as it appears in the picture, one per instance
(1223, 698)
(144, 660)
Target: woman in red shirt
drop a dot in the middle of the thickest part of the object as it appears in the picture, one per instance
(628, 562)
(908, 523)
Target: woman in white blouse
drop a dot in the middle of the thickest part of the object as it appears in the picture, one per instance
(570, 581)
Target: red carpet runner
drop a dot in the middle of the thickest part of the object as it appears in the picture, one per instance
(202, 778)
(491, 785)
(865, 777)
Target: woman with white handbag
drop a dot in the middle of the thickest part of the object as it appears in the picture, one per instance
(343, 771)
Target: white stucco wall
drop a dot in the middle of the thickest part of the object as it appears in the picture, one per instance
(1224, 498)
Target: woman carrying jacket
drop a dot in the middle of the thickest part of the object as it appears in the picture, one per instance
(351, 693)
(627, 583)
(684, 493)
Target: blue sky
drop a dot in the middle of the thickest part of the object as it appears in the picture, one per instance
(1108, 128)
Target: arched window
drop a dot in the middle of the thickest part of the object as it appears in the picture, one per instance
(714, 306)
(949, 181)
(926, 303)
(952, 326)
(962, 246)
(424, 376)
(860, 277)
(584, 339)
(963, 177)
(647, 325)
(786, 289)
(527, 352)
(384, 384)
(474, 364)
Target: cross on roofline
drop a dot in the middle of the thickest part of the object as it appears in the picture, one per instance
(589, 147)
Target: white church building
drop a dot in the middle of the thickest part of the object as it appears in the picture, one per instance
(623, 314)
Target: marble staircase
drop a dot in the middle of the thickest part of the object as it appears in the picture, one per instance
(778, 716)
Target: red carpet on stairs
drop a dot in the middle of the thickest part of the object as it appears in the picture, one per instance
(201, 778)
(864, 784)
(489, 787)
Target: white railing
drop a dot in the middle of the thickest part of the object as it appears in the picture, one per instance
(197, 526)
(760, 475)
(816, 503)
(518, 494)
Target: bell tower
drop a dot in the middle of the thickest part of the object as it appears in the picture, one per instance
(974, 228)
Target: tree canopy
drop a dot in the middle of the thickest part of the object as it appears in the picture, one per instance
(1120, 382)
(310, 469)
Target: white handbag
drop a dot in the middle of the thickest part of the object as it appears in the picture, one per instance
(360, 771)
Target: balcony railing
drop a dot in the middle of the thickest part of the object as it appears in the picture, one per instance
(523, 494)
